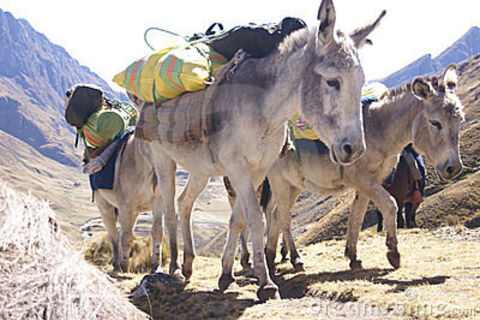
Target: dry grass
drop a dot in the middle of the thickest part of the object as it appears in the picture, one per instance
(99, 252)
(42, 276)
(439, 278)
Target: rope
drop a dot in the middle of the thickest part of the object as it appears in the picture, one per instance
(155, 109)
(159, 29)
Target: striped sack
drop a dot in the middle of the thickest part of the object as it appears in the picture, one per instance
(171, 71)
(186, 119)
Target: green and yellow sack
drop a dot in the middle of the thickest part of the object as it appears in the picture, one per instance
(171, 71)
(103, 126)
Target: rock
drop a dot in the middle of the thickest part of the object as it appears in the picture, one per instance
(153, 282)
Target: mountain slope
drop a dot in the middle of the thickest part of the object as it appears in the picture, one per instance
(34, 75)
(66, 188)
(465, 47)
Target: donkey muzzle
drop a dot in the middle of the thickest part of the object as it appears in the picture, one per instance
(449, 170)
(347, 151)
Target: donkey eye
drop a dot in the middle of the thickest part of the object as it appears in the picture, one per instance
(436, 124)
(334, 83)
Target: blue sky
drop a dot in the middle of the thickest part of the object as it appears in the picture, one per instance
(107, 35)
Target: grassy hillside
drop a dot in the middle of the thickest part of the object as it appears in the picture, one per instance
(469, 86)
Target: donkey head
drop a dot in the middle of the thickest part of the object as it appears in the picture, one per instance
(331, 87)
(435, 129)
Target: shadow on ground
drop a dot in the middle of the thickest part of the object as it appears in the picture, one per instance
(193, 304)
(178, 303)
(299, 286)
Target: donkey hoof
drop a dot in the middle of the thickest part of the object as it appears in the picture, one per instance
(298, 266)
(394, 259)
(116, 267)
(267, 292)
(356, 264)
(187, 272)
(272, 270)
(245, 264)
(177, 274)
(154, 268)
(124, 266)
(225, 281)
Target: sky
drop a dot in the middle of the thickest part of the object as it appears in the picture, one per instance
(107, 35)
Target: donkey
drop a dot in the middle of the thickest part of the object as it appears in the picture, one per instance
(406, 188)
(136, 189)
(426, 112)
(316, 72)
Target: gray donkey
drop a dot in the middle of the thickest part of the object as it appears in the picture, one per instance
(315, 72)
(426, 112)
(137, 189)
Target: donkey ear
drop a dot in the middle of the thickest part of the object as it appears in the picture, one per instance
(449, 77)
(422, 89)
(359, 36)
(327, 17)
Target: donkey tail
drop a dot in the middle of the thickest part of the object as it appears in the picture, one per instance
(266, 194)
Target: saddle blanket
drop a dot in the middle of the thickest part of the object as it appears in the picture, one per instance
(104, 178)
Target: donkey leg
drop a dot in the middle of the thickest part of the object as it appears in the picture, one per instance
(410, 211)
(285, 198)
(379, 221)
(388, 208)
(400, 220)
(167, 190)
(387, 205)
(295, 260)
(157, 233)
(196, 183)
(127, 219)
(284, 250)
(359, 208)
(107, 212)
(245, 255)
(165, 169)
(236, 225)
(273, 231)
(241, 179)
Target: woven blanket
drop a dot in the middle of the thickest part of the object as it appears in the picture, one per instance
(104, 178)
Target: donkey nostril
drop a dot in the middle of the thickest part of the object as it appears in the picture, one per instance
(347, 149)
(450, 170)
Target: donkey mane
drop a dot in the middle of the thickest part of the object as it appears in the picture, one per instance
(296, 40)
(453, 106)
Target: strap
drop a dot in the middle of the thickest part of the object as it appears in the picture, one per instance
(292, 137)
(86, 146)
(210, 29)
